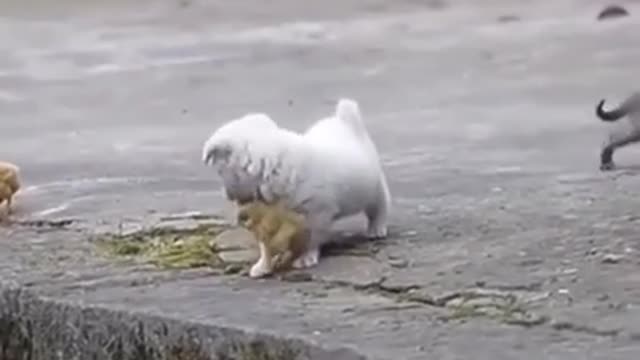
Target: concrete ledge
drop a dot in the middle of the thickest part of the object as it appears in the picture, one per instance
(34, 327)
(485, 127)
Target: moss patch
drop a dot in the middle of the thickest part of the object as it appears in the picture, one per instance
(501, 307)
(167, 247)
(257, 350)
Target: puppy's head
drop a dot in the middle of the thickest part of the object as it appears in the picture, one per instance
(234, 136)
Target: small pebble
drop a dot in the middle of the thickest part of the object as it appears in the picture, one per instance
(617, 306)
(296, 276)
(508, 18)
(531, 262)
(612, 258)
(410, 233)
(398, 263)
(233, 269)
(612, 12)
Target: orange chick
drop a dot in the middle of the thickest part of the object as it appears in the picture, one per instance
(9, 183)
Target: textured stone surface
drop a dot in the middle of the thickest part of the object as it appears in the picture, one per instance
(486, 129)
(236, 245)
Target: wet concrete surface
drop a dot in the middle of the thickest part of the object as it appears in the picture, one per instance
(486, 129)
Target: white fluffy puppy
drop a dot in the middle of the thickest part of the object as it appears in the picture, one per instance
(329, 172)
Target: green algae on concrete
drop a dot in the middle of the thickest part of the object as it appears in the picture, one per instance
(503, 307)
(167, 247)
(257, 350)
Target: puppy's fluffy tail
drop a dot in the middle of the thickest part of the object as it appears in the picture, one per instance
(348, 111)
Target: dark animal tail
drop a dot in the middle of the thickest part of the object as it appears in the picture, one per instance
(611, 115)
(631, 106)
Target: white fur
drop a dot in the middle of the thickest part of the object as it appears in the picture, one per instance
(329, 172)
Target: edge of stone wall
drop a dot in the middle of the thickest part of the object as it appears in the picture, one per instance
(38, 328)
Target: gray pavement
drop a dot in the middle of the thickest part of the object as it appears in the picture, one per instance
(486, 129)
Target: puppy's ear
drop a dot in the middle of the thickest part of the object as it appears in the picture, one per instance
(216, 153)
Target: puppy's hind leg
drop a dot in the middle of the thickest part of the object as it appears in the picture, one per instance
(377, 212)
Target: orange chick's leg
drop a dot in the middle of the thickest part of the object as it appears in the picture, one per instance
(263, 266)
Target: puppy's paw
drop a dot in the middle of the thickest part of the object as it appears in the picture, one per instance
(376, 232)
(259, 269)
(309, 259)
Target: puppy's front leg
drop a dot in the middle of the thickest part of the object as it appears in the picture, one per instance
(310, 258)
(320, 231)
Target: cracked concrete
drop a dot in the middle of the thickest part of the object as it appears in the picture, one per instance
(487, 132)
